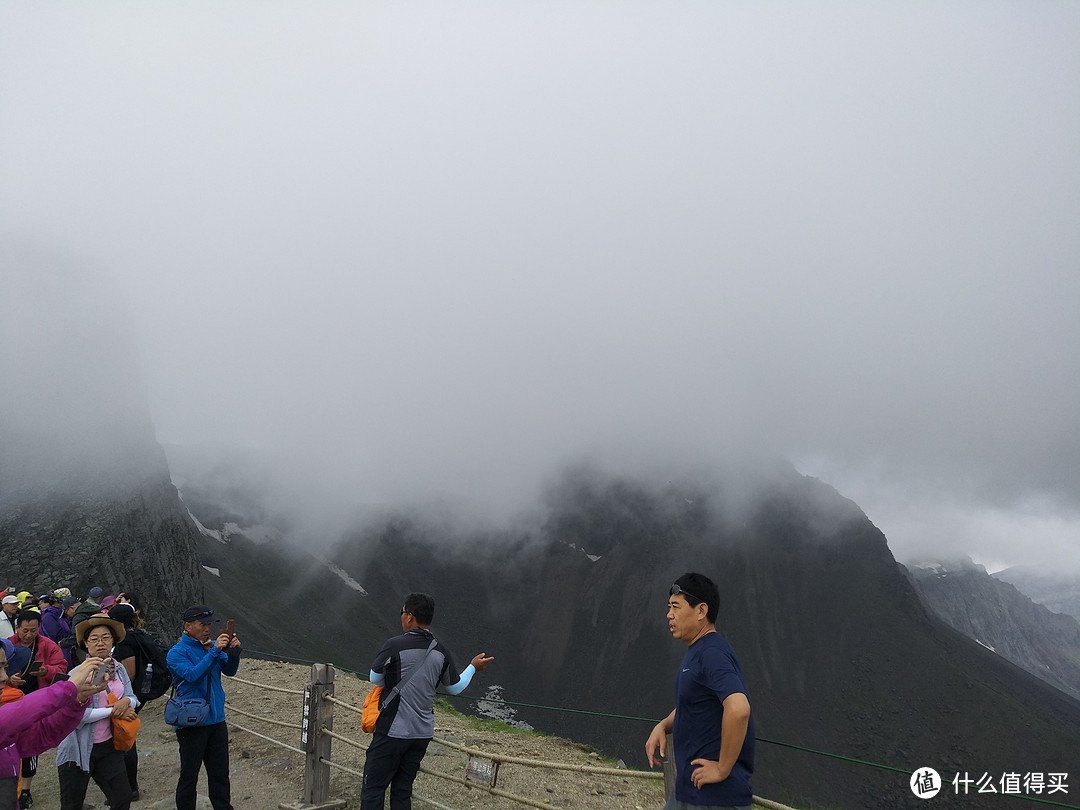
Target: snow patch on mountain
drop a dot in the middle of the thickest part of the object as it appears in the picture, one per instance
(213, 534)
(592, 557)
(342, 574)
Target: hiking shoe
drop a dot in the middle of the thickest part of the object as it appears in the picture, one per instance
(26, 801)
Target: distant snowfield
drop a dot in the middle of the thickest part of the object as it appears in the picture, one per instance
(215, 571)
(344, 576)
(258, 534)
(211, 533)
(593, 557)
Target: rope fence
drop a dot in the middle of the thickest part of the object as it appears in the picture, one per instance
(317, 734)
(543, 763)
(268, 739)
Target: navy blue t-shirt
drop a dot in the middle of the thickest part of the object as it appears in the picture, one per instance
(710, 672)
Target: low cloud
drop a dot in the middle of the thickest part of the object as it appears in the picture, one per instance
(439, 254)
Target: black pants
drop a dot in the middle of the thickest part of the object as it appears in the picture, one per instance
(108, 772)
(9, 794)
(131, 765)
(391, 763)
(131, 760)
(199, 746)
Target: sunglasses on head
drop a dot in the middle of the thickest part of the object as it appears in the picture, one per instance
(675, 589)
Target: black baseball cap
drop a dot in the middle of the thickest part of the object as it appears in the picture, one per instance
(199, 613)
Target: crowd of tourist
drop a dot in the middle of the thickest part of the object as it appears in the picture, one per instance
(52, 645)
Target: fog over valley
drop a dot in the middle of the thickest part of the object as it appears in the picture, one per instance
(368, 256)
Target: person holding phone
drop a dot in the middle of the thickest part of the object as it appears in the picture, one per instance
(46, 654)
(88, 751)
(197, 661)
(44, 662)
(35, 723)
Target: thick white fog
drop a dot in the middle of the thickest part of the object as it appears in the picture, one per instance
(435, 250)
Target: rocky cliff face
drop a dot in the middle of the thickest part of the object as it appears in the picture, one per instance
(1002, 619)
(131, 534)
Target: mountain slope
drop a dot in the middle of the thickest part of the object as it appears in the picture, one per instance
(1058, 591)
(998, 616)
(840, 653)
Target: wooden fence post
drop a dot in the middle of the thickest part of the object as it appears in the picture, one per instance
(669, 768)
(317, 714)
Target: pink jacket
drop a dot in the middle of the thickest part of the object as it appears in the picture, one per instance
(37, 723)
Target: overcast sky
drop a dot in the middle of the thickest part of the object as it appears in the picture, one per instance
(448, 247)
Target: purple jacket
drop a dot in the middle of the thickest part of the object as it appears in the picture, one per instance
(37, 723)
(55, 626)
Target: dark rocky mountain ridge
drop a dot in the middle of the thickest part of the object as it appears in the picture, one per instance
(1057, 590)
(118, 524)
(840, 653)
(1000, 617)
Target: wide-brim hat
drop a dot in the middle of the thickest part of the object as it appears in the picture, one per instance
(83, 627)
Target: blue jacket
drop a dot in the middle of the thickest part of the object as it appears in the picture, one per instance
(193, 667)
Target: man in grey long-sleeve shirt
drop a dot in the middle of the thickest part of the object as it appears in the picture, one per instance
(407, 722)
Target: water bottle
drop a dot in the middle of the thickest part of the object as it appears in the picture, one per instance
(144, 688)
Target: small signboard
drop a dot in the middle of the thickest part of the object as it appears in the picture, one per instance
(482, 771)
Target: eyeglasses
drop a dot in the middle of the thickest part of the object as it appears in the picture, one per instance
(675, 589)
(403, 611)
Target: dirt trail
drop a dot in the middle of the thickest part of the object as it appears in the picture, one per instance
(264, 775)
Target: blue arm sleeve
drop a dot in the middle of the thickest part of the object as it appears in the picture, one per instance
(376, 678)
(463, 681)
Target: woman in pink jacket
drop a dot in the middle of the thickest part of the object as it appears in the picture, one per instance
(39, 721)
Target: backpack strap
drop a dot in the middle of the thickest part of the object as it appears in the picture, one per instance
(397, 689)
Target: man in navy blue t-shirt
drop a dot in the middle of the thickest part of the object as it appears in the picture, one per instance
(712, 725)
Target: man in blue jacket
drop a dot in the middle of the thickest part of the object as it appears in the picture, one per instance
(197, 663)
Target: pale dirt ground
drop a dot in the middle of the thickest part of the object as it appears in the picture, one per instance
(264, 775)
